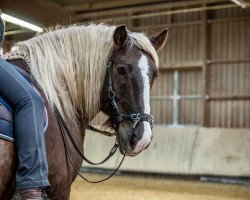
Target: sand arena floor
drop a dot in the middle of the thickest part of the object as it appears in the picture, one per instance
(139, 188)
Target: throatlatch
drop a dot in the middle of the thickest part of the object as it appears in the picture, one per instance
(134, 117)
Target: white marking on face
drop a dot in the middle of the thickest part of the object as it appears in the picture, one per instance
(147, 135)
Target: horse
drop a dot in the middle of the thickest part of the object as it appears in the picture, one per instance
(69, 65)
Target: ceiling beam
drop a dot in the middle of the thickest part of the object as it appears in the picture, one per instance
(42, 12)
(239, 3)
(170, 12)
(17, 32)
(91, 6)
(143, 8)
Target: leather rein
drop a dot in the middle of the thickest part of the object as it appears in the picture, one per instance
(134, 117)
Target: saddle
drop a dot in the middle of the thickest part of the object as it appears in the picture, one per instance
(6, 122)
(6, 112)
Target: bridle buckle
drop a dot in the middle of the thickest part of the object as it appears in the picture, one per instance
(135, 117)
(120, 117)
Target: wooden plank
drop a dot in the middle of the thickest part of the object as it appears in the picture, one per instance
(143, 8)
(101, 5)
(218, 148)
(42, 11)
(180, 68)
(231, 19)
(228, 61)
(186, 150)
(227, 97)
(17, 32)
(157, 27)
(204, 55)
(178, 65)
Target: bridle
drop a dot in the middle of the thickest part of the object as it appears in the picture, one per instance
(134, 117)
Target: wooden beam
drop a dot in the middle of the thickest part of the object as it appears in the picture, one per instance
(142, 8)
(220, 20)
(228, 97)
(107, 5)
(204, 46)
(189, 68)
(182, 66)
(40, 12)
(228, 61)
(17, 32)
(240, 3)
(52, 5)
(160, 26)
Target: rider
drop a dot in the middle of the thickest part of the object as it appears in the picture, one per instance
(28, 107)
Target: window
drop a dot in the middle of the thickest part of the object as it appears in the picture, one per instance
(177, 98)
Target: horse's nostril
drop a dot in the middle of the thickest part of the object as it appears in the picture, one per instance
(147, 146)
(133, 140)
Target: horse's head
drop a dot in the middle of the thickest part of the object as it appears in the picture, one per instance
(131, 76)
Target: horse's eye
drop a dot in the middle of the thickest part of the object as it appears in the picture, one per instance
(121, 71)
(155, 74)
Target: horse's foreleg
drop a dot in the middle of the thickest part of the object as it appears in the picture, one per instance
(7, 169)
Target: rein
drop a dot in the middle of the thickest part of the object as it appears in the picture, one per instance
(119, 117)
(134, 117)
(62, 127)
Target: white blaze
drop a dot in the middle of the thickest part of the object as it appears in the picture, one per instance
(146, 138)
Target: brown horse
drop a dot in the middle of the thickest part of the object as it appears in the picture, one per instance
(69, 66)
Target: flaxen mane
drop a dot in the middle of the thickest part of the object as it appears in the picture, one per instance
(69, 65)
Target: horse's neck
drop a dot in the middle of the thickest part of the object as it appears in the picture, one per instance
(57, 155)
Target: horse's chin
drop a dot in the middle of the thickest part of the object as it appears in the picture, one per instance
(125, 148)
(128, 150)
(131, 145)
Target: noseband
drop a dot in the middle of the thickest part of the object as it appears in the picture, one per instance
(134, 117)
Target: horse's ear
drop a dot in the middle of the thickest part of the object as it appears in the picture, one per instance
(159, 40)
(120, 36)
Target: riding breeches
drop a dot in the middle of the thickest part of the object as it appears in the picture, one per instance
(28, 116)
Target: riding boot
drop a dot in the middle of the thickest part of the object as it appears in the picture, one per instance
(30, 194)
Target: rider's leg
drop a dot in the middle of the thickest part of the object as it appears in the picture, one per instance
(28, 109)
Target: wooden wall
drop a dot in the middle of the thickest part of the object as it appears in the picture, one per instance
(205, 68)
(182, 150)
(204, 81)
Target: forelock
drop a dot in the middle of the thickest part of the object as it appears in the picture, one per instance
(142, 42)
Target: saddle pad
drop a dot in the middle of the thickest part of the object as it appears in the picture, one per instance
(6, 121)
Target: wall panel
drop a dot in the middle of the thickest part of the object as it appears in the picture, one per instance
(162, 110)
(189, 112)
(229, 40)
(230, 79)
(190, 82)
(229, 13)
(226, 113)
(183, 47)
(226, 67)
